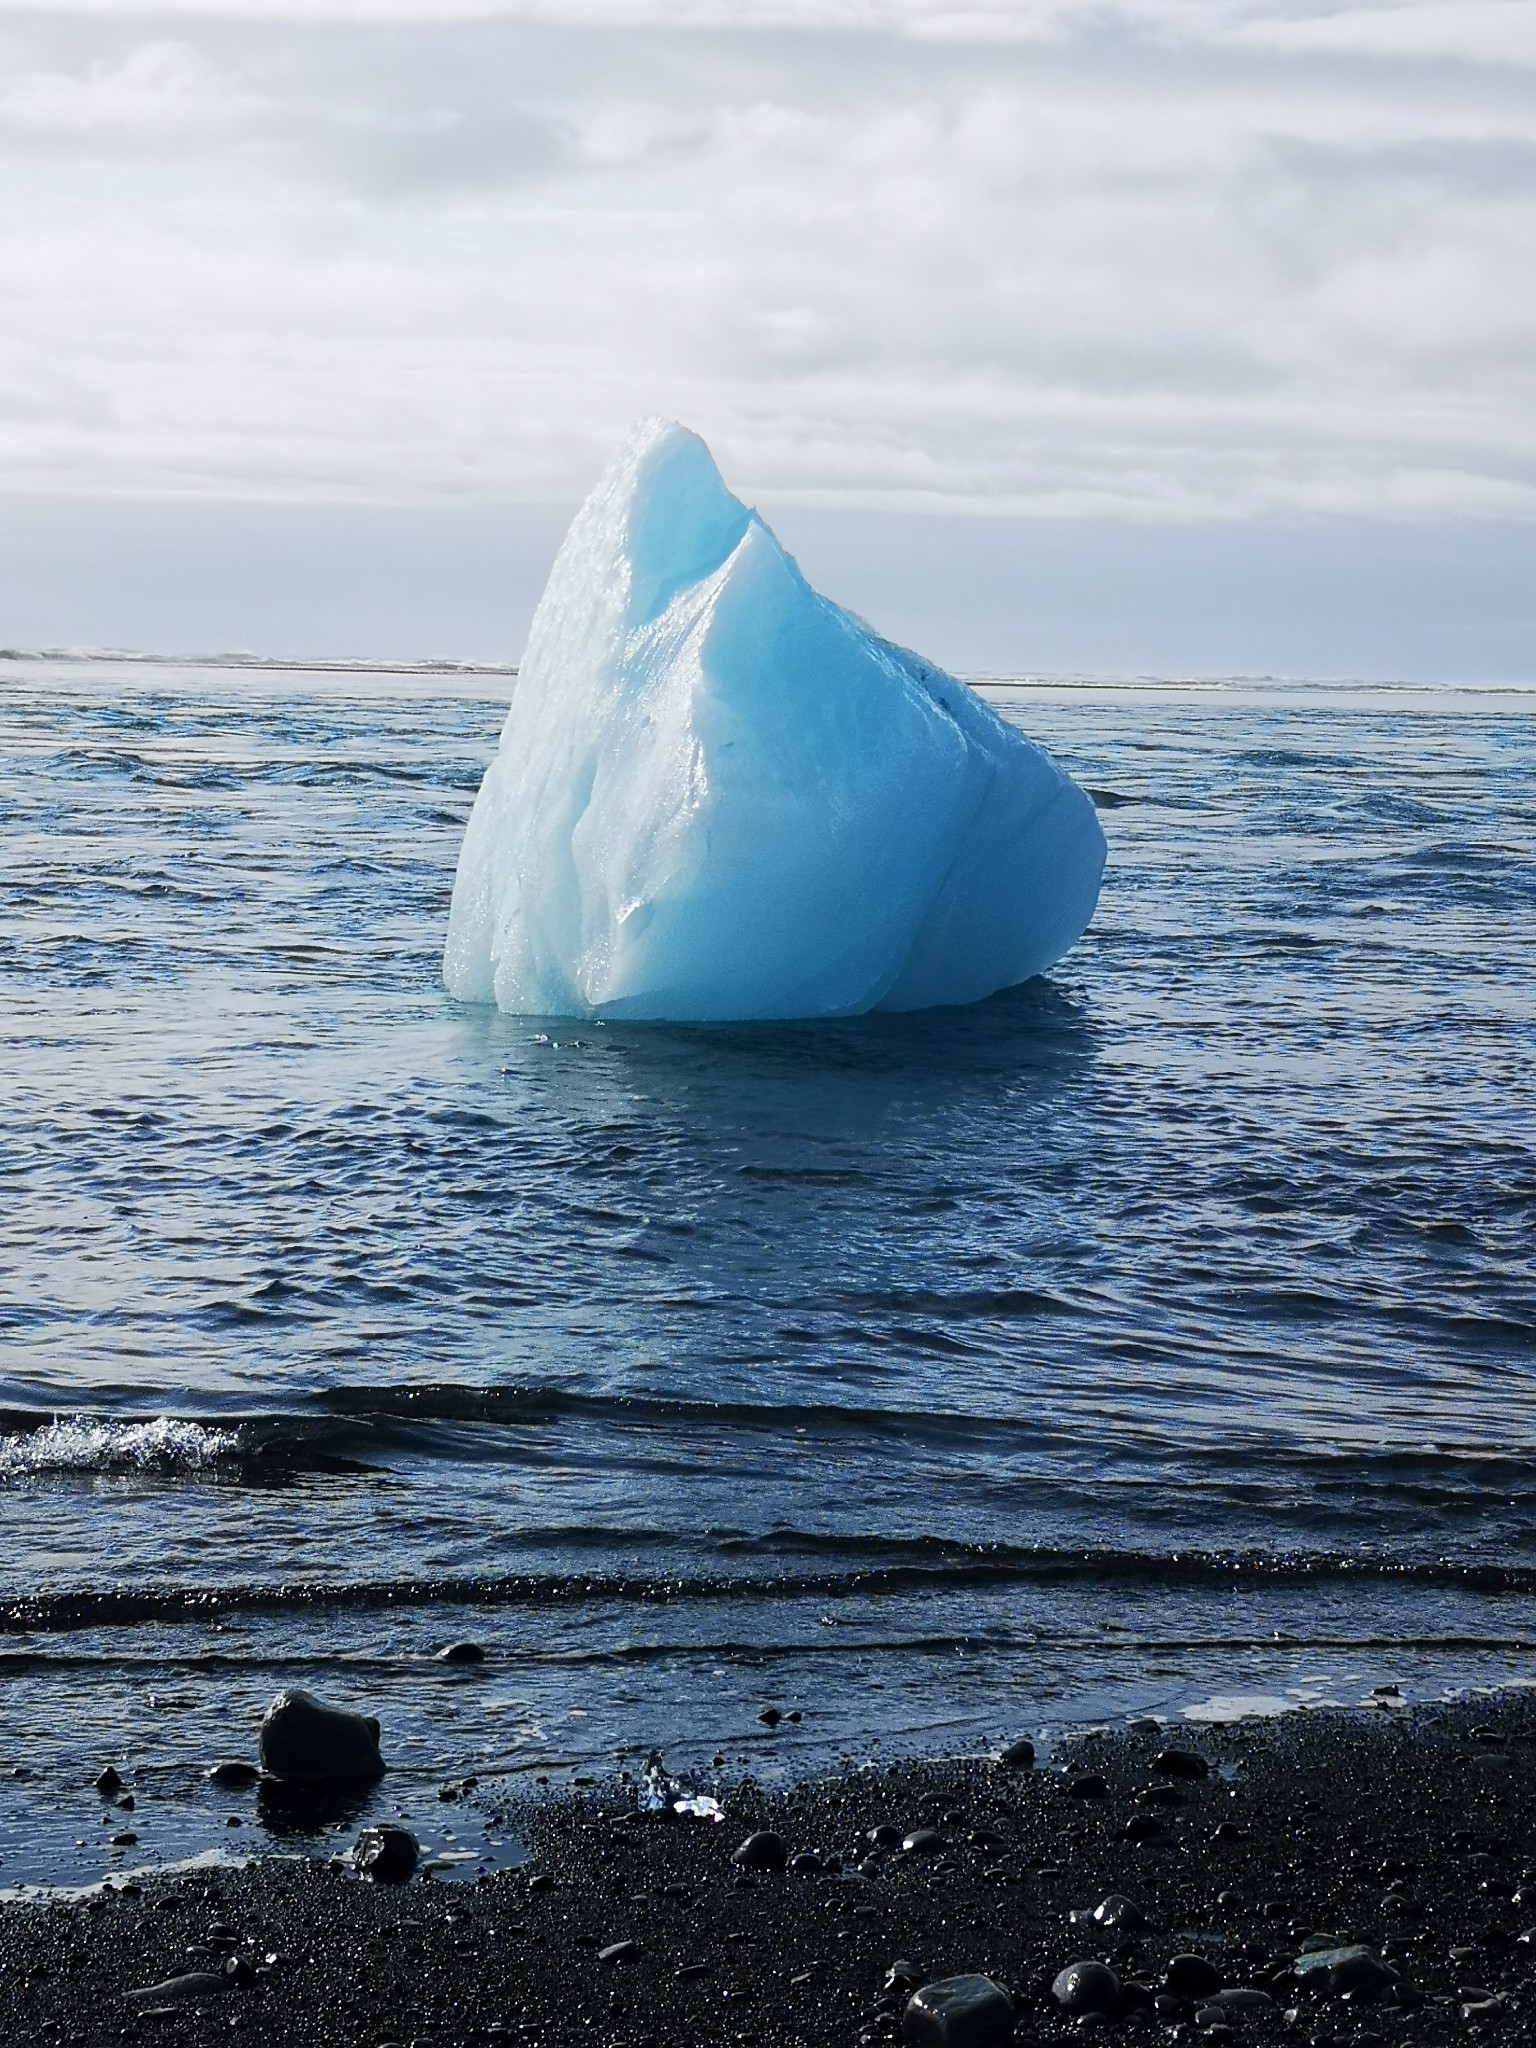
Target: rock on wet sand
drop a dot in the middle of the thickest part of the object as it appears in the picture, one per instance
(637, 1931)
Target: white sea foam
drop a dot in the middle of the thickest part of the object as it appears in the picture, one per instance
(82, 1443)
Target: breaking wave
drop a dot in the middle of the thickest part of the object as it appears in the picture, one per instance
(82, 1443)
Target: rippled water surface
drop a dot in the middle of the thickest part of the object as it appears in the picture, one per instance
(1163, 1329)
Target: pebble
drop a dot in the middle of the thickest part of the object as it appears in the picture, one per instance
(884, 1837)
(1019, 1756)
(461, 1653)
(1339, 1971)
(1144, 1827)
(770, 1717)
(1086, 1987)
(386, 1854)
(764, 1850)
(234, 1771)
(306, 1742)
(1116, 1914)
(923, 1842)
(1244, 1998)
(1087, 1785)
(1191, 1976)
(107, 1783)
(1180, 1763)
(186, 1989)
(1483, 2012)
(619, 1952)
(958, 2012)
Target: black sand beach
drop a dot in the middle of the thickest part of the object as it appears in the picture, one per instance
(1409, 1834)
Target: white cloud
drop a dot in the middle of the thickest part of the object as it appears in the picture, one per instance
(1175, 267)
(160, 89)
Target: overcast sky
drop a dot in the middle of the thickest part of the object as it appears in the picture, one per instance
(1207, 288)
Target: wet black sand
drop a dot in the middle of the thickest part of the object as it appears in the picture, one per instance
(1414, 1834)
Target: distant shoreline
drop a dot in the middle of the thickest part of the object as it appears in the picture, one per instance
(448, 667)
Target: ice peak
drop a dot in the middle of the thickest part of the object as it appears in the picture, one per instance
(676, 521)
(720, 796)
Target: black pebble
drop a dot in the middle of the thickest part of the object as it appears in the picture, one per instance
(1086, 1987)
(1180, 1763)
(1144, 1827)
(461, 1653)
(923, 1842)
(958, 2012)
(386, 1854)
(108, 1783)
(763, 1851)
(1191, 1976)
(1118, 1914)
(234, 1771)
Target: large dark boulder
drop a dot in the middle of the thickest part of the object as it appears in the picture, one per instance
(306, 1743)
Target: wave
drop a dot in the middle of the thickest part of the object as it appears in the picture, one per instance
(81, 1443)
(965, 1568)
(349, 1430)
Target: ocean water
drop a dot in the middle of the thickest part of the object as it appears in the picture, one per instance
(1158, 1334)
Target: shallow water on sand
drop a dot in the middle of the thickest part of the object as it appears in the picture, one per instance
(1161, 1330)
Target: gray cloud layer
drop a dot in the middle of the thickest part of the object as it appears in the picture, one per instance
(1159, 259)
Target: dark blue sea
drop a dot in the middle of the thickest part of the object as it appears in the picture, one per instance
(1158, 1338)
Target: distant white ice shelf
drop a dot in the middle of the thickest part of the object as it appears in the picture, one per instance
(720, 796)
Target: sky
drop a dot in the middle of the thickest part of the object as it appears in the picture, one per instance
(1055, 335)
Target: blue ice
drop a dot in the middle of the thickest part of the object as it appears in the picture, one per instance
(718, 795)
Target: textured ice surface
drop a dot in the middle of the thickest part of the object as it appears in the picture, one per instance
(718, 795)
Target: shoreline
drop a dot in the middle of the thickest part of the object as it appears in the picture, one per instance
(1411, 1832)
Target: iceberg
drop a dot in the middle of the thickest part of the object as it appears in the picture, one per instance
(719, 796)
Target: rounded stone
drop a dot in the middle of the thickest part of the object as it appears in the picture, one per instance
(764, 1850)
(1245, 1998)
(1086, 1987)
(234, 1771)
(461, 1653)
(958, 2012)
(109, 1782)
(1180, 1763)
(1118, 1914)
(306, 1742)
(923, 1842)
(1019, 1756)
(386, 1854)
(1144, 1827)
(1192, 1976)
(1087, 1785)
